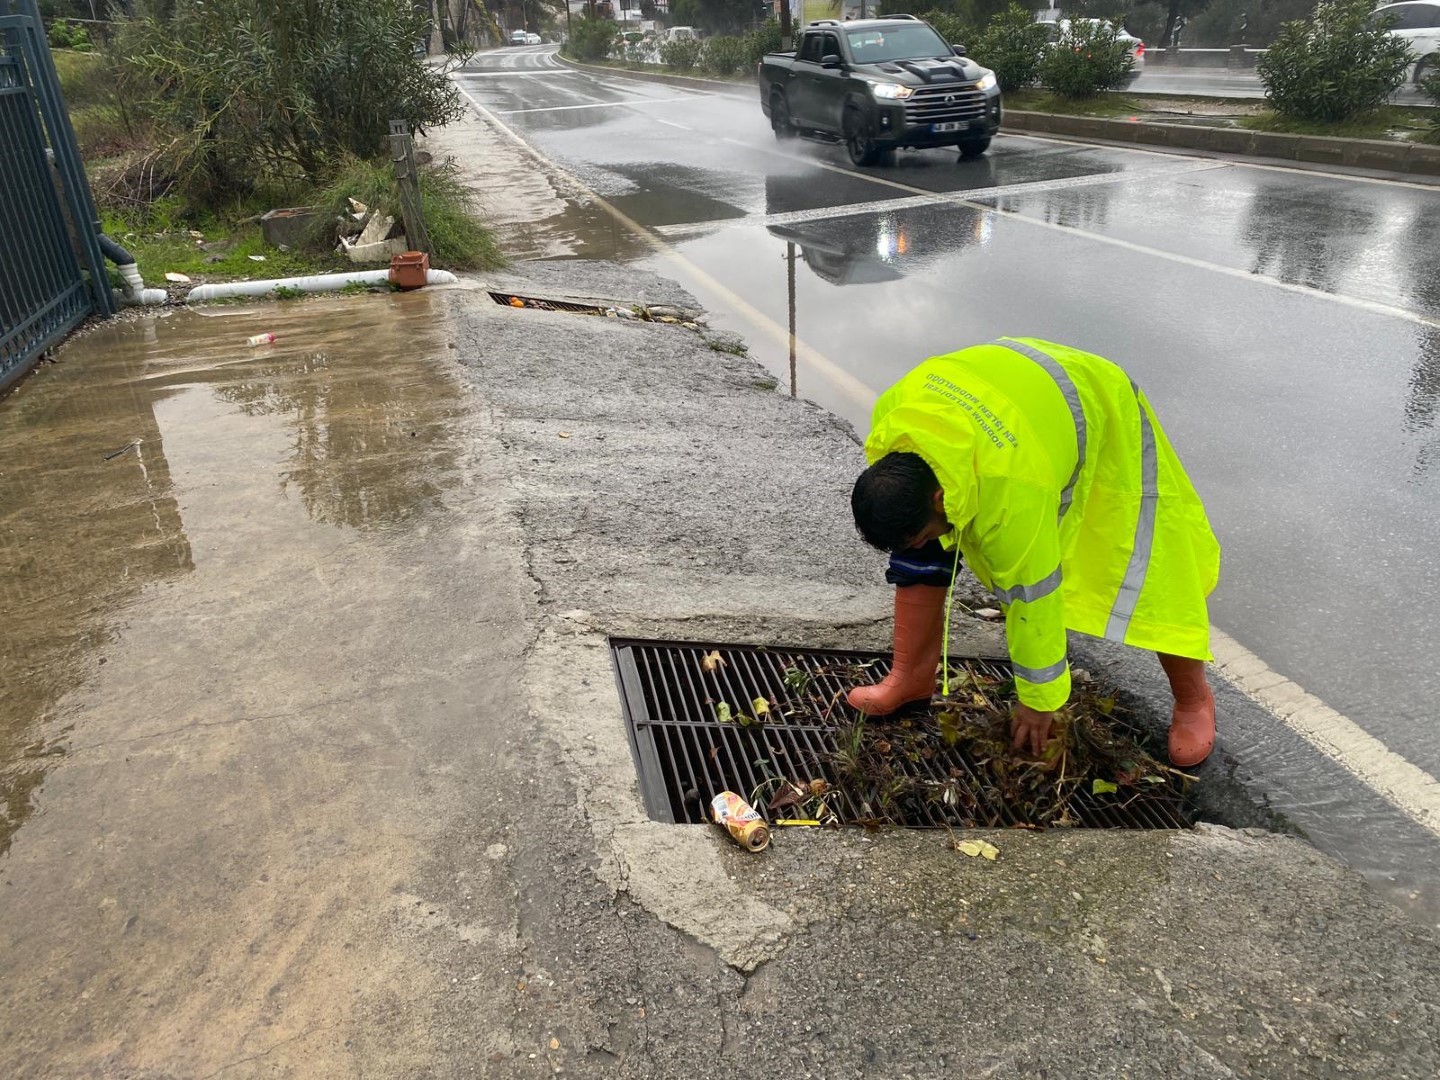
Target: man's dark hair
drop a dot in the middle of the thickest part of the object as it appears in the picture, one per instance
(892, 500)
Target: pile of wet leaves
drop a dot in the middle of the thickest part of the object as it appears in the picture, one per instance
(950, 762)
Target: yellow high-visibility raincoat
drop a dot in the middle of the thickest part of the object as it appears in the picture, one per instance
(1068, 501)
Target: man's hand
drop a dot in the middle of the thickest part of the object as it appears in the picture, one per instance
(1030, 728)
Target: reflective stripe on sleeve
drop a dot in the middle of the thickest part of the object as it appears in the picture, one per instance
(1072, 399)
(1040, 675)
(1030, 593)
(1134, 580)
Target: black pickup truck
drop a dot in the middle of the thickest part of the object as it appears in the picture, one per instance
(878, 84)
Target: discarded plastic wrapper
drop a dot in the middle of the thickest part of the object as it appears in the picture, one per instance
(260, 339)
(740, 820)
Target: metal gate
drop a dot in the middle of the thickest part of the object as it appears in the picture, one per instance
(52, 273)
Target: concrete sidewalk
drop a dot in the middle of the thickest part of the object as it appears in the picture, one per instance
(330, 778)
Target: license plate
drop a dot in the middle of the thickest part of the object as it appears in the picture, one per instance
(953, 125)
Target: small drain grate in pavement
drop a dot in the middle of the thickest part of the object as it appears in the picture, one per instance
(685, 755)
(512, 300)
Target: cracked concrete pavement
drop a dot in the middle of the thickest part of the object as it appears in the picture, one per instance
(315, 765)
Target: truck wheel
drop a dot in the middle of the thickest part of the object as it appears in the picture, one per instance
(780, 121)
(973, 148)
(858, 140)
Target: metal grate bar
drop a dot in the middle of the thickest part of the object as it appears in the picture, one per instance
(685, 755)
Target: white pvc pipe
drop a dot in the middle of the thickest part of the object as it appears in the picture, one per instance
(135, 291)
(312, 283)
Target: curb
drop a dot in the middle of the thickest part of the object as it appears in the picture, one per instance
(694, 82)
(1411, 158)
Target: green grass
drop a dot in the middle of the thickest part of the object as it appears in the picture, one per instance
(1109, 104)
(460, 241)
(1392, 121)
(161, 243)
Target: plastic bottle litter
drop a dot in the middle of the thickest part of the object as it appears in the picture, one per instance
(740, 820)
(260, 339)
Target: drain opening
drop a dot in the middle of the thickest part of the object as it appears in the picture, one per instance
(515, 301)
(684, 755)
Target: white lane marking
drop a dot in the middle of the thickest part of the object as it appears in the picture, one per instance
(1407, 786)
(1414, 791)
(671, 123)
(1374, 307)
(591, 105)
(1238, 160)
(822, 213)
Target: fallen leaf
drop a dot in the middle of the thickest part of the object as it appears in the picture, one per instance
(761, 707)
(969, 847)
(723, 713)
(1103, 787)
(173, 276)
(989, 850)
(1153, 779)
(256, 258)
(554, 1044)
(712, 661)
(564, 434)
(745, 719)
(819, 787)
(949, 727)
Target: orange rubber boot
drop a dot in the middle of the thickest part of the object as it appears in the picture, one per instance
(919, 615)
(1192, 727)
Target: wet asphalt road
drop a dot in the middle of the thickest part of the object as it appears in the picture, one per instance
(1217, 82)
(1285, 324)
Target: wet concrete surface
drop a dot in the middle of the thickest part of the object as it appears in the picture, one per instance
(1285, 323)
(241, 661)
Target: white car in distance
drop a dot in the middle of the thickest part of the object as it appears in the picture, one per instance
(1418, 23)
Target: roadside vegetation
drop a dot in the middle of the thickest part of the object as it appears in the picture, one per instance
(1329, 70)
(1334, 68)
(196, 118)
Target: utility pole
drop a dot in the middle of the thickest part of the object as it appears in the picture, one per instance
(787, 29)
(790, 288)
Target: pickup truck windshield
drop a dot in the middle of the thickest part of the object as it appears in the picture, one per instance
(912, 41)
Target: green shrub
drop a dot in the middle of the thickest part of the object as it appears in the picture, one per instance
(681, 55)
(762, 41)
(1088, 59)
(1335, 67)
(1012, 46)
(723, 55)
(951, 27)
(64, 35)
(247, 92)
(591, 39)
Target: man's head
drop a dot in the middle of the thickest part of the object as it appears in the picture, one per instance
(898, 503)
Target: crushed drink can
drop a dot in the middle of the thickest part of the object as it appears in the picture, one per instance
(740, 820)
(260, 339)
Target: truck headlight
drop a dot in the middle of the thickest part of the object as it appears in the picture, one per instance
(988, 81)
(890, 91)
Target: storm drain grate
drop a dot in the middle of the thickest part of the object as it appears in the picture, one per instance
(512, 300)
(684, 755)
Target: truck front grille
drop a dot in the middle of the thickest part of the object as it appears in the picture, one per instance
(943, 104)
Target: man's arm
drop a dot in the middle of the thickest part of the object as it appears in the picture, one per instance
(1022, 547)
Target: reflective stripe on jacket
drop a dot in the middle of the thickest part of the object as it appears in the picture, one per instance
(1070, 504)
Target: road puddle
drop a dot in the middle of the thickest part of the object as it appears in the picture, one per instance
(164, 449)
